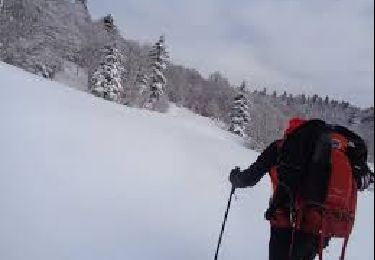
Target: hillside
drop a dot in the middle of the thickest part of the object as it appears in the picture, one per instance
(59, 40)
(83, 178)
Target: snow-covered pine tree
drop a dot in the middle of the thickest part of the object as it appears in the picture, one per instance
(284, 96)
(106, 80)
(326, 100)
(159, 57)
(240, 112)
(109, 23)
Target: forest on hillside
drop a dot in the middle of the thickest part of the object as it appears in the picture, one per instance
(59, 40)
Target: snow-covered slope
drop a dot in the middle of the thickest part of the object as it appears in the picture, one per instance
(82, 178)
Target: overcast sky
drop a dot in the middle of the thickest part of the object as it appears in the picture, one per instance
(302, 46)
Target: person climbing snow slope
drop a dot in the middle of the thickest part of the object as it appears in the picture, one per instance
(316, 170)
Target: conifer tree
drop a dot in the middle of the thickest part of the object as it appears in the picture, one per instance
(109, 23)
(106, 80)
(314, 98)
(240, 114)
(326, 100)
(159, 57)
(284, 96)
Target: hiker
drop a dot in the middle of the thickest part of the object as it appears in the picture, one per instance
(303, 166)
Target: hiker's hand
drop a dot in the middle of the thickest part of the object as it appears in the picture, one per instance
(372, 177)
(371, 187)
(365, 181)
(235, 178)
(270, 213)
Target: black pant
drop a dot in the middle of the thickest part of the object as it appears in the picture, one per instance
(306, 246)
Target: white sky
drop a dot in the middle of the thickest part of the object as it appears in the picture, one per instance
(302, 46)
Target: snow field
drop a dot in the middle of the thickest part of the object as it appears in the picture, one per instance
(83, 178)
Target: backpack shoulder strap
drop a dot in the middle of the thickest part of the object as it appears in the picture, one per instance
(356, 151)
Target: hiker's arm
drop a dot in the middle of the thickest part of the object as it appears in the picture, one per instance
(252, 175)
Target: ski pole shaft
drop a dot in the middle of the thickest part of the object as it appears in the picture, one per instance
(224, 222)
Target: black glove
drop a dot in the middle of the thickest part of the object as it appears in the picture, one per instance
(235, 178)
(366, 180)
(270, 213)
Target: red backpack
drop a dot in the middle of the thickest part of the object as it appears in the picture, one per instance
(333, 214)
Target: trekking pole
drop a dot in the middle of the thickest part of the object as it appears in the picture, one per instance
(224, 222)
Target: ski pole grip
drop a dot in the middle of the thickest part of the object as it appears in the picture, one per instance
(237, 168)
